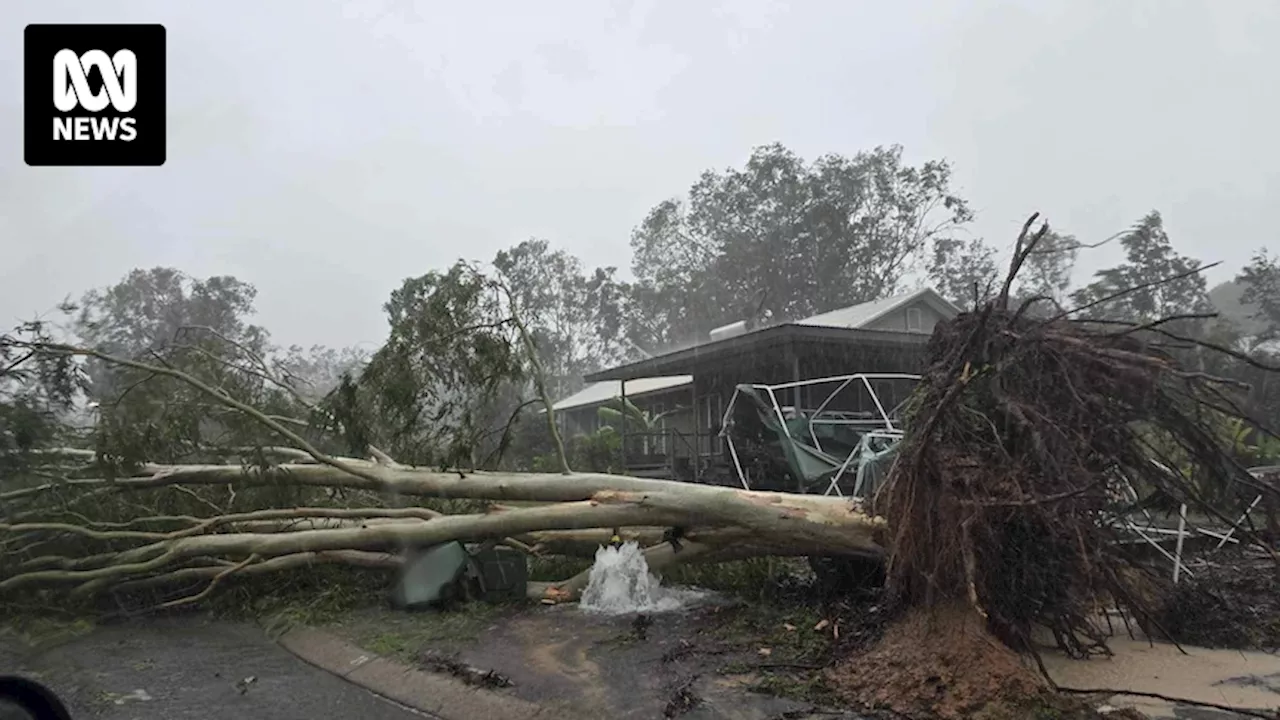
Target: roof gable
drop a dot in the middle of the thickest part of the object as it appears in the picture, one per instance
(860, 316)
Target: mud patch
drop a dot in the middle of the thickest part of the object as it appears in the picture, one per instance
(1243, 679)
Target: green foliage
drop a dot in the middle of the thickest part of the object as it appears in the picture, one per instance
(574, 317)
(1047, 270)
(1261, 280)
(201, 327)
(38, 396)
(963, 272)
(1249, 444)
(316, 372)
(618, 412)
(967, 272)
(455, 382)
(600, 451)
(787, 239)
(1149, 259)
(434, 392)
(1241, 439)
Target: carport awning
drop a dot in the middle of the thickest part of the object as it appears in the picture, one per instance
(601, 392)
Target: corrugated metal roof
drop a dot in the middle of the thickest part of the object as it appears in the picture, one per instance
(855, 317)
(859, 316)
(597, 393)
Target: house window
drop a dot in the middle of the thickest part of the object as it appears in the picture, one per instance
(914, 321)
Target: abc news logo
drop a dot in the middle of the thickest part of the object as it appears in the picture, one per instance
(71, 90)
(108, 101)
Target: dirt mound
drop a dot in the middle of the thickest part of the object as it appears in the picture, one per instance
(942, 663)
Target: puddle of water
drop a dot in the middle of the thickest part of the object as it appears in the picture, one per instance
(620, 583)
(1245, 679)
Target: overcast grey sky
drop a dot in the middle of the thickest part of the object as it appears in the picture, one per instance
(326, 150)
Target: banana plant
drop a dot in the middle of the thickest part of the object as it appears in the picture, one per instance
(618, 411)
(1252, 445)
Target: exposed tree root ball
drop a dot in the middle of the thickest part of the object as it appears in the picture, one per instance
(1022, 439)
(940, 663)
(1006, 500)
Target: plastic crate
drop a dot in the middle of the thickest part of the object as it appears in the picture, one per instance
(504, 573)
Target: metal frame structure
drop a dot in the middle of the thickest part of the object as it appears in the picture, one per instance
(883, 427)
(1150, 531)
(887, 428)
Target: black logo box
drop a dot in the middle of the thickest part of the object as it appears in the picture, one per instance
(41, 43)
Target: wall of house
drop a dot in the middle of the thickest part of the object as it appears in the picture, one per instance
(919, 316)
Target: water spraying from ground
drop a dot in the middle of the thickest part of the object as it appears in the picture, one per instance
(620, 583)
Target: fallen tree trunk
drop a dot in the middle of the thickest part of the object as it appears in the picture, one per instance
(718, 523)
(412, 482)
(743, 523)
(51, 542)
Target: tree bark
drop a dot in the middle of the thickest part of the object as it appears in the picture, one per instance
(418, 482)
(765, 523)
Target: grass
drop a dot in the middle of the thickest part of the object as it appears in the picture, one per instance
(756, 579)
(403, 635)
(312, 596)
(785, 630)
(810, 687)
(38, 630)
(555, 568)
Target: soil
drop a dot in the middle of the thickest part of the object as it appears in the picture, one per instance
(941, 663)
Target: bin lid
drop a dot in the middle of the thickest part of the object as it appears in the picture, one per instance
(426, 573)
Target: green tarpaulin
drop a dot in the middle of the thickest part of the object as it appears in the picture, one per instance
(814, 467)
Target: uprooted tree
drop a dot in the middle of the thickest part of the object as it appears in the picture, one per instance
(1026, 428)
(204, 464)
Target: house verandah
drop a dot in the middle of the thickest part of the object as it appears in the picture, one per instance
(685, 392)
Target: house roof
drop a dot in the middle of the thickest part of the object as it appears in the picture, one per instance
(727, 350)
(843, 325)
(601, 392)
(860, 316)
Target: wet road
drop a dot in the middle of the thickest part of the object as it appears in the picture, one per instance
(177, 668)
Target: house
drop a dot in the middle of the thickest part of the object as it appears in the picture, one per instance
(687, 389)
